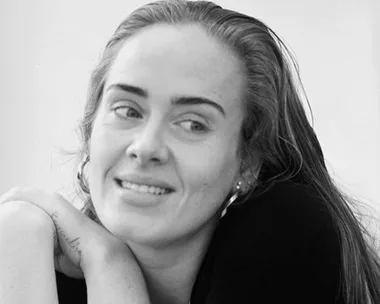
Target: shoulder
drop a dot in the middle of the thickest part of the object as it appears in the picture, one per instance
(288, 213)
(282, 243)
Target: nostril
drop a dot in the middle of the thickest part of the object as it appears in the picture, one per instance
(133, 155)
(156, 160)
(146, 151)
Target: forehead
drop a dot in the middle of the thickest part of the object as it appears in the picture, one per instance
(182, 59)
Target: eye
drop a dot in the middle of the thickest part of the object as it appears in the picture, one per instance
(193, 126)
(127, 112)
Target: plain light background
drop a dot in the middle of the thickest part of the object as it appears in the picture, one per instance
(48, 49)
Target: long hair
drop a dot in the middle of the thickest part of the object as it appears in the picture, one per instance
(275, 129)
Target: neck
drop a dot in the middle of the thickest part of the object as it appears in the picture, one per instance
(170, 271)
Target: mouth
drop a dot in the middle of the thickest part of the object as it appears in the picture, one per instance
(143, 188)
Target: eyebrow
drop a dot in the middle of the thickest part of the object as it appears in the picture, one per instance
(129, 88)
(180, 100)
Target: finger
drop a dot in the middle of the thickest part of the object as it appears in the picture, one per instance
(54, 204)
(76, 232)
(67, 219)
(16, 195)
(43, 199)
(8, 195)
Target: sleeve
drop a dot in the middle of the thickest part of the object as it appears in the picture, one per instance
(284, 252)
(70, 290)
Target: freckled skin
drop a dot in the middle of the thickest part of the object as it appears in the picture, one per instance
(168, 61)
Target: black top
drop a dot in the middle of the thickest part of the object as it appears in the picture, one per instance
(279, 247)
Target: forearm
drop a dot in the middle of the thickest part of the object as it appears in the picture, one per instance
(116, 280)
(26, 256)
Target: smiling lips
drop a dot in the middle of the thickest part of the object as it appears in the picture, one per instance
(144, 189)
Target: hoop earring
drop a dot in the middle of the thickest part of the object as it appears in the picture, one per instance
(233, 198)
(80, 177)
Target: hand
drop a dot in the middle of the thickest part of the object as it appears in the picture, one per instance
(80, 242)
(26, 254)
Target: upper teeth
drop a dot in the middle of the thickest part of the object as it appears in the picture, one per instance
(144, 188)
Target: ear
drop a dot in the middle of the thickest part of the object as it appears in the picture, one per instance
(249, 175)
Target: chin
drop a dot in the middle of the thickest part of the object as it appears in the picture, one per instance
(136, 229)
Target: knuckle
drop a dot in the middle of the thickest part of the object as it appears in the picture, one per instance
(15, 190)
(11, 192)
(7, 196)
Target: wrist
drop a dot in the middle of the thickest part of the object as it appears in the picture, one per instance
(115, 276)
(108, 254)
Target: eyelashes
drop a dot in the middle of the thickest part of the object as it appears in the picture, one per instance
(127, 112)
(193, 126)
(189, 122)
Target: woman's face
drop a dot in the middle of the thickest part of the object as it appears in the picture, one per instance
(164, 145)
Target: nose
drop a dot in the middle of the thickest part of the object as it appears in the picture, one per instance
(148, 146)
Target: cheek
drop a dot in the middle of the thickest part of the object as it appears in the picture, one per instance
(105, 143)
(208, 179)
(104, 148)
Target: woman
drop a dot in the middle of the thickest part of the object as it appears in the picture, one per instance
(202, 177)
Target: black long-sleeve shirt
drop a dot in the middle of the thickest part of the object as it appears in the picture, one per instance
(279, 247)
